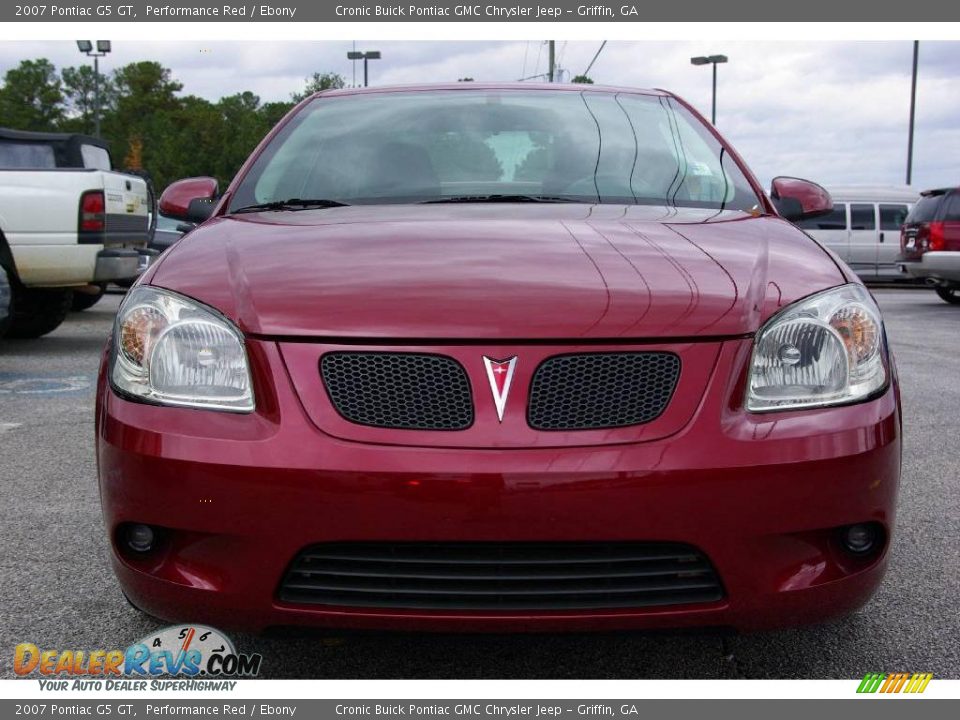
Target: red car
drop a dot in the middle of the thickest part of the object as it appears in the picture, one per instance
(930, 242)
(498, 358)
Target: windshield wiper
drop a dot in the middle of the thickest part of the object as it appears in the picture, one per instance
(501, 198)
(291, 204)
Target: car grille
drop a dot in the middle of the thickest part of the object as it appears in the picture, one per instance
(500, 576)
(399, 390)
(601, 390)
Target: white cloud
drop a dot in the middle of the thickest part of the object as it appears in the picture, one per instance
(834, 112)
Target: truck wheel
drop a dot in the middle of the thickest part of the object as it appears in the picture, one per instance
(949, 294)
(82, 301)
(6, 300)
(37, 311)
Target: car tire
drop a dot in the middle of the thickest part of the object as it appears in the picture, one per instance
(949, 294)
(83, 301)
(37, 311)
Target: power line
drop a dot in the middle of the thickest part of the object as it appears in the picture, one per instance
(602, 46)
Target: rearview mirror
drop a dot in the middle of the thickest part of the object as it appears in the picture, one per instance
(191, 199)
(797, 199)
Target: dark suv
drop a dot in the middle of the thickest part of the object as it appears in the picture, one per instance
(930, 242)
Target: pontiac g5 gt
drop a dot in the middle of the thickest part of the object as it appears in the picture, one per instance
(498, 357)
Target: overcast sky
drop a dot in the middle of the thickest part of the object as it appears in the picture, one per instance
(831, 112)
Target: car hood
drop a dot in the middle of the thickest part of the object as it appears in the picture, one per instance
(505, 272)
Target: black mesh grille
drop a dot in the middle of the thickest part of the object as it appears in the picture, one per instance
(601, 390)
(500, 576)
(399, 390)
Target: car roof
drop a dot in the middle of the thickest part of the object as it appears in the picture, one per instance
(873, 193)
(938, 191)
(528, 86)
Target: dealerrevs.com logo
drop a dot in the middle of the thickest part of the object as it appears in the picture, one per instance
(179, 651)
(887, 683)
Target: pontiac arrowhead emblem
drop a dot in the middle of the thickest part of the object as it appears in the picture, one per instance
(500, 375)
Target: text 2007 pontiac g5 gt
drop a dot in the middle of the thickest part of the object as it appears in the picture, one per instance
(503, 357)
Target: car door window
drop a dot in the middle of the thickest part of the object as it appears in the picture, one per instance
(892, 216)
(836, 220)
(862, 217)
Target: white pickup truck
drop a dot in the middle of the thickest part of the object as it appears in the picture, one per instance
(68, 223)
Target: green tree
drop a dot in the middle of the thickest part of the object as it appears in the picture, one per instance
(145, 112)
(271, 113)
(79, 91)
(145, 87)
(244, 127)
(318, 82)
(148, 123)
(583, 79)
(31, 97)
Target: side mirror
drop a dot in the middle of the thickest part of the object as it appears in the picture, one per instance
(797, 199)
(192, 199)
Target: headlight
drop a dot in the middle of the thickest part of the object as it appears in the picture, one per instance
(170, 350)
(827, 349)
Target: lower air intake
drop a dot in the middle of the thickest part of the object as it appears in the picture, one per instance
(500, 576)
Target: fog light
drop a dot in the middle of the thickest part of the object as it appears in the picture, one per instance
(139, 538)
(860, 539)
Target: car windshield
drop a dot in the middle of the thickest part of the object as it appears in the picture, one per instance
(496, 145)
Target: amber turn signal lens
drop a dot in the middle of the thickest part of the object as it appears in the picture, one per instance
(138, 331)
(858, 330)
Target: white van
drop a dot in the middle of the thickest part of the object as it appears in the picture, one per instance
(864, 228)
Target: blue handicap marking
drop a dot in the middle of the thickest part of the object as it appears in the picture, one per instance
(45, 384)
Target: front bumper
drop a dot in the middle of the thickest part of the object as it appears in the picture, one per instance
(940, 267)
(760, 495)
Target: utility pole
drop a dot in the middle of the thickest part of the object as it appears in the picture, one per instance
(552, 60)
(913, 110)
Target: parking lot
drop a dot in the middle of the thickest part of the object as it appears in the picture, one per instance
(57, 589)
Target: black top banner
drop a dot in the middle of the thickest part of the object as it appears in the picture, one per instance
(506, 11)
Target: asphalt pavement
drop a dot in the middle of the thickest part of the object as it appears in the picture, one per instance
(57, 589)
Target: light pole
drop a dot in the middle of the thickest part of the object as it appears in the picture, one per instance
(711, 60)
(365, 56)
(913, 110)
(103, 47)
